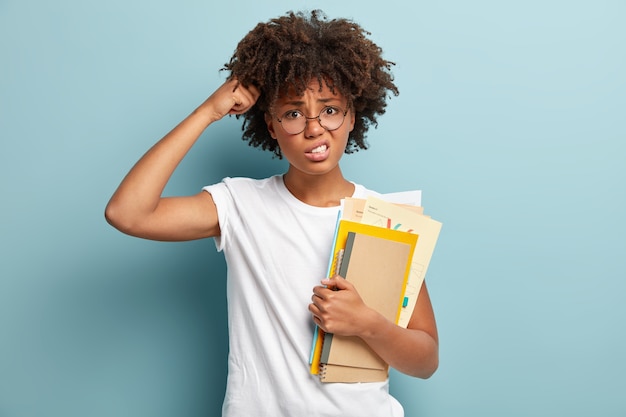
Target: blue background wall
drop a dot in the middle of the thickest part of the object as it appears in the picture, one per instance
(510, 119)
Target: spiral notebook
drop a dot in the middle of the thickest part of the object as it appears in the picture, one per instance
(378, 267)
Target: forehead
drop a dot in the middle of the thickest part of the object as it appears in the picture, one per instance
(313, 90)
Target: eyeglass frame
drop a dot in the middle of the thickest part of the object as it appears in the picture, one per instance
(318, 117)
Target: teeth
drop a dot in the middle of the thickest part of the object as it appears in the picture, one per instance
(319, 149)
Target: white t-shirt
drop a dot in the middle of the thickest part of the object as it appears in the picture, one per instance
(277, 250)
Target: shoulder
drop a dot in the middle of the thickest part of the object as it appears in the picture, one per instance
(241, 191)
(243, 184)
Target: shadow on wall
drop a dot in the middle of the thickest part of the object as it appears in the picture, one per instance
(143, 333)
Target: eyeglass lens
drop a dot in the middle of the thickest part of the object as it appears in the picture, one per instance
(330, 118)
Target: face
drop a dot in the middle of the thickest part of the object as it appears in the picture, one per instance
(315, 150)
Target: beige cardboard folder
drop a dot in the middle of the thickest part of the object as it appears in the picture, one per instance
(378, 268)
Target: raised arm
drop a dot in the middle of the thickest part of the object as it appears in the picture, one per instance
(137, 206)
(413, 351)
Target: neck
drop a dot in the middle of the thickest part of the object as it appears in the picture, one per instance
(318, 190)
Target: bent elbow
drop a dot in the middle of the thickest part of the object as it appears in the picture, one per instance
(428, 365)
(110, 215)
(430, 370)
(114, 216)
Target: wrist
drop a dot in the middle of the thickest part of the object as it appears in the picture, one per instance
(207, 113)
(374, 325)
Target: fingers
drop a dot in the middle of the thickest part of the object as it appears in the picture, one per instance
(336, 306)
(243, 98)
(337, 283)
(230, 98)
(317, 315)
(321, 296)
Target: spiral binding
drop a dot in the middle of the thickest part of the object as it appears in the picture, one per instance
(322, 372)
(338, 260)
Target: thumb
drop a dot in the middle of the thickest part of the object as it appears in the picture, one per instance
(337, 283)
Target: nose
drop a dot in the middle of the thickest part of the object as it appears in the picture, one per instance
(313, 127)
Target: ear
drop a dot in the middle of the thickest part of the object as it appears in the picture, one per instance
(352, 120)
(269, 121)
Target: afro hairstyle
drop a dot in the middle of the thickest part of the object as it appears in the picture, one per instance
(287, 53)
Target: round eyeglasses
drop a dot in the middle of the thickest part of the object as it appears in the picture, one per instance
(330, 118)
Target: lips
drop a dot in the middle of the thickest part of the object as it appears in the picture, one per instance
(318, 152)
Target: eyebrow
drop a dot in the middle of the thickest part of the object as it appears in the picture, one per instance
(296, 102)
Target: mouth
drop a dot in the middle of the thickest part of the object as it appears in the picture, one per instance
(318, 153)
(319, 149)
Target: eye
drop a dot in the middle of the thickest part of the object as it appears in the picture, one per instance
(292, 115)
(330, 111)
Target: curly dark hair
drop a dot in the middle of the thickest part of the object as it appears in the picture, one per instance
(290, 51)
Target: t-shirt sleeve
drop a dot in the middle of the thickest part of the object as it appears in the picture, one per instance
(223, 201)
